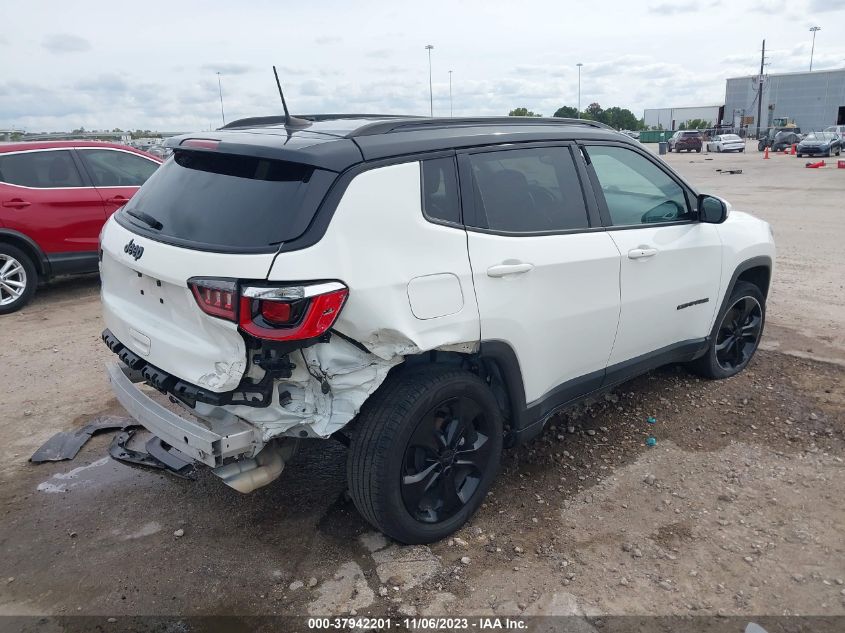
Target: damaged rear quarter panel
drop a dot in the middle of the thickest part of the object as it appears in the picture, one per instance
(377, 243)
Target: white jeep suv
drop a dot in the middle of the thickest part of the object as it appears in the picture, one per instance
(426, 291)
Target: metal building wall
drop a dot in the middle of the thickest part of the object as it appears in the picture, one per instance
(812, 100)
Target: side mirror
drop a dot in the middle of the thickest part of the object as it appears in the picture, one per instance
(711, 209)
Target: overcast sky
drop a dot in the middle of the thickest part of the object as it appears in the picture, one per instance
(152, 64)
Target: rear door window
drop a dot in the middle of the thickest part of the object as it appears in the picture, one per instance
(42, 170)
(527, 191)
(228, 203)
(115, 168)
(441, 200)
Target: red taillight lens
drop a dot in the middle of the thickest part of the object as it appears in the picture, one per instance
(216, 297)
(276, 312)
(291, 313)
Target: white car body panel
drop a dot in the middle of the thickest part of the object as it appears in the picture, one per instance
(560, 317)
(744, 237)
(163, 324)
(386, 202)
(685, 267)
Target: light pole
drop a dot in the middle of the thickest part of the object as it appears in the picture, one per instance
(220, 90)
(429, 47)
(813, 30)
(579, 64)
(450, 94)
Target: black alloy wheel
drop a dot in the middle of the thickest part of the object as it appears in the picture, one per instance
(445, 459)
(736, 333)
(739, 334)
(425, 450)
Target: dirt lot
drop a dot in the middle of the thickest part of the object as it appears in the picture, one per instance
(736, 510)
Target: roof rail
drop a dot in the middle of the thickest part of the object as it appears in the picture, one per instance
(407, 123)
(280, 119)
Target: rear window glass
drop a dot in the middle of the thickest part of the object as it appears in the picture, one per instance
(527, 191)
(226, 202)
(440, 190)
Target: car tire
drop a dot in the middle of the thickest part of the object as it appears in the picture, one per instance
(415, 424)
(16, 268)
(736, 335)
(698, 150)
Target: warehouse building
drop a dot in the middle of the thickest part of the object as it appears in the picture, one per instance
(812, 100)
(671, 118)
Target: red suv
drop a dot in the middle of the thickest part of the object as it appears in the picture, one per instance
(54, 199)
(685, 139)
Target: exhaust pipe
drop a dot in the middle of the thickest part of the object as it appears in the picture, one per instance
(245, 475)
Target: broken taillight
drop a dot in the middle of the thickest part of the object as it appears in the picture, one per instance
(276, 313)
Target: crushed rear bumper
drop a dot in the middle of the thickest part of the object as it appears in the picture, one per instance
(207, 441)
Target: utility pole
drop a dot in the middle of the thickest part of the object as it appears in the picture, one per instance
(760, 89)
(450, 94)
(813, 30)
(579, 64)
(428, 47)
(220, 90)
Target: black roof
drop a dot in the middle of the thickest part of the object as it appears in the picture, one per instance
(338, 141)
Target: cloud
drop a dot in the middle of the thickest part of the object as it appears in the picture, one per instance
(380, 53)
(65, 43)
(820, 6)
(227, 68)
(674, 8)
(327, 39)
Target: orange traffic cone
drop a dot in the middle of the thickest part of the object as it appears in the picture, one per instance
(766, 153)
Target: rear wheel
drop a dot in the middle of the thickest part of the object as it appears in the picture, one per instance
(425, 452)
(736, 335)
(18, 278)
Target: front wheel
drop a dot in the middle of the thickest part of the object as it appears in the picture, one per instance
(18, 278)
(425, 451)
(736, 335)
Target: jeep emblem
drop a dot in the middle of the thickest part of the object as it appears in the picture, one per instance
(133, 250)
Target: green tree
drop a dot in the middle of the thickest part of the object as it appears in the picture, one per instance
(566, 112)
(620, 118)
(697, 124)
(522, 112)
(594, 112)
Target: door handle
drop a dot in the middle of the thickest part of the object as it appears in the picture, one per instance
(641, 253)
(117, 200)
(16, 203)
(516, 268)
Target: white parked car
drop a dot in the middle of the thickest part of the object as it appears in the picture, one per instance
(426, 291)
(726, 143)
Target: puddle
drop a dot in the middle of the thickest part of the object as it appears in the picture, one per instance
(65, 480)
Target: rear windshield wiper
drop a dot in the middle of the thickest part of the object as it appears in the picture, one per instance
(147, 219)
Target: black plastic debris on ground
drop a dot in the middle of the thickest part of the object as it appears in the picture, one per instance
(66, 444)
(159, 455)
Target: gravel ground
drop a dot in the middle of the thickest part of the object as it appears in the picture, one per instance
(736, 510)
